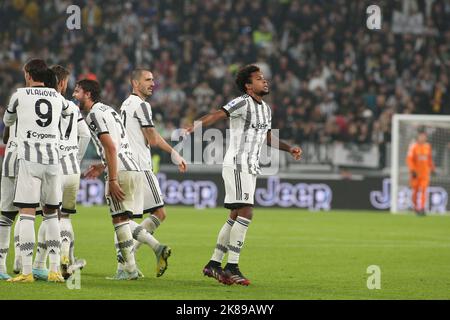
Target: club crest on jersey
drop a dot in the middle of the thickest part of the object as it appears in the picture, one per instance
(92, 126)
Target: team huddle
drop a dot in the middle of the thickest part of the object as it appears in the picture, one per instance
(46, 138)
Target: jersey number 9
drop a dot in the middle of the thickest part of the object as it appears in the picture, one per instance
(45, 119)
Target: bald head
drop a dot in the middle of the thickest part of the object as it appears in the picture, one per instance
(142, 83)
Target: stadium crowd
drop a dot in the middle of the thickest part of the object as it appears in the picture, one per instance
(331, 77)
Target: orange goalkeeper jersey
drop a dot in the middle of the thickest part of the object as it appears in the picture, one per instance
(420, 159)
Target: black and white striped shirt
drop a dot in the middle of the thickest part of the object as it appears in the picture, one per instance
(38, 111)
(137, 114)
(249, 123)
(9, 165)
(102, 119)
(75, 136)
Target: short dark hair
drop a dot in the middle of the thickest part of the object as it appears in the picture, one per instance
(37, 68)
(60, 72)
(243, 76)
(421, 130)
(51, 80)
(136, 74)
(91, 86)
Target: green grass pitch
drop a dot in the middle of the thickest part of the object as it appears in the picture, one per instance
(288, 254)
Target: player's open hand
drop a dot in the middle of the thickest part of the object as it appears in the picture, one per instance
(94, 171)
(296, 152)
(182, 165)
(188, 130)
(115, 191)
(180, 162)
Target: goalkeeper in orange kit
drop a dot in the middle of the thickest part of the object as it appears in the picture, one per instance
(420, 164)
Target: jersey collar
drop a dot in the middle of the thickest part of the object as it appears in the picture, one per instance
(134, 94)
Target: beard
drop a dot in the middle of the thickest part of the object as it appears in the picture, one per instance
(82, 105)
(264, 93)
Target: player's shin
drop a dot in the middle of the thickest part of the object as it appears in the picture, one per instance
(237, 238)
(125, 242)
(144, 237)
(67, 238)
(120, 258)
(17, 256)
(222, 241)
(53, 241)
(423, 194)
(41, 250)
(27, 241)
(5, 232)
(151, 223)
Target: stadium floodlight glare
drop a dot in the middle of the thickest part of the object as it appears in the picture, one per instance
(404, 131)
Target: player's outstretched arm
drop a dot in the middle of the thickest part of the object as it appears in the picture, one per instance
(207, 120)
(154, 139)
(115, 190)
(272, 141)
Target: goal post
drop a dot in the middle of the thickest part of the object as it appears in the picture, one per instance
(404, 131)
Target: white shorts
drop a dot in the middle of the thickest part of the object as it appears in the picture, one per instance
(130, 182)
(37, 183)
(152, 195)
(239, 188)
(70, 187)
(7, 195)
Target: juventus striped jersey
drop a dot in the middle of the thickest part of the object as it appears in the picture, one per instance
(137, 114)
(37, 110)
(249, 123)
(102, 119)
(10, 159)
(75, 136)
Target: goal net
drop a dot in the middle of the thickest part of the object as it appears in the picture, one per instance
(405, 129)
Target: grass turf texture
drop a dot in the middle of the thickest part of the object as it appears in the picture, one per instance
(288, 254)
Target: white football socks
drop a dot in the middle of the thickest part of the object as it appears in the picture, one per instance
(27, 240)
(53, 241)
(40, 260)
(151, 223)
(143, 236)
(17, 255)
(67, 237)
(237, 237)
(5, 233)
(222, 241)
(125, 242)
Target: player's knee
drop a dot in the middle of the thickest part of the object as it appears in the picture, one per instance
(160, 214)
(233, 214)
(48, 210)
(246, 212)
(120, 218)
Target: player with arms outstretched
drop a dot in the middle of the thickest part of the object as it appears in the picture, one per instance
(250, 125)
